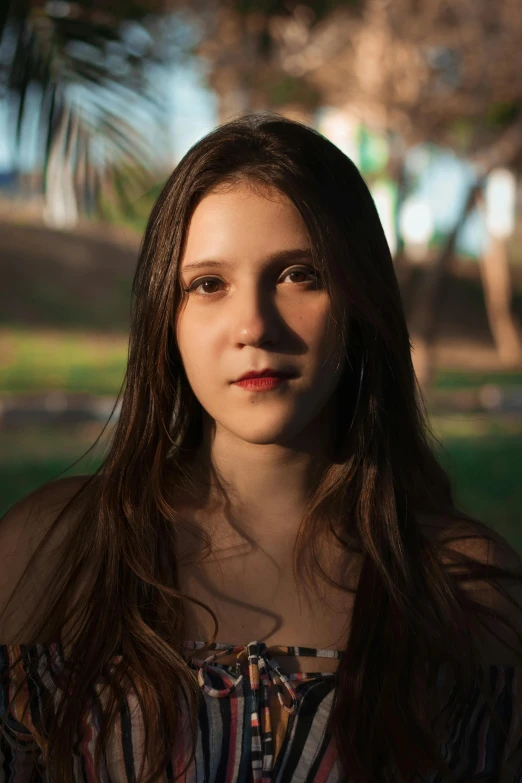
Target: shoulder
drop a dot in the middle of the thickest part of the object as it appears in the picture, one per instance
(28, 520)
(22, 530)
(486, 546)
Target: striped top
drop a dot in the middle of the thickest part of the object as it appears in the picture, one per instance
(255, 723)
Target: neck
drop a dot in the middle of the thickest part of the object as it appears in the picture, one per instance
(257, 491)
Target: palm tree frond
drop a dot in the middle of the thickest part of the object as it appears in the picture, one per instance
(91, 68)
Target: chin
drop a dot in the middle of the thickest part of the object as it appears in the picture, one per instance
(265, 441)
(267, 435)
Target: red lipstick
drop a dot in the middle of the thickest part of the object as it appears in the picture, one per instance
(264, 380)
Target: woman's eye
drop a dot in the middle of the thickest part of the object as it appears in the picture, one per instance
(197, 284)
(214, 280)
(309, 272)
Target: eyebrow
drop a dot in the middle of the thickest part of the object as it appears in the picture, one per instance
(282, 256)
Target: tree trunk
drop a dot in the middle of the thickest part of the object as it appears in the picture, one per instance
(426, 306)
(496, 281)
(61, 209)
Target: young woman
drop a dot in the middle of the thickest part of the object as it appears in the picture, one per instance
(358, 612)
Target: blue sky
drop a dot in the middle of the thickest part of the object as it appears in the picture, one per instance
(194, 108)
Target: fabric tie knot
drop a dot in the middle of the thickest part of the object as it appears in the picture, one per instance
(262, 667)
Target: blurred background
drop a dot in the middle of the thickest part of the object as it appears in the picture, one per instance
(99, 100)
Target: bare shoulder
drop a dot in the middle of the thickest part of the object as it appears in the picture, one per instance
(28, 520)
(477, 540)
(22, 530)
(485, 545)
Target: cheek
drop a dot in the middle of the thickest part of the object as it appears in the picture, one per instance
(319, 333)
(191, 348)
(315, 326)
(200, 350)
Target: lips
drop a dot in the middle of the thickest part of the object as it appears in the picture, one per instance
(265, 374)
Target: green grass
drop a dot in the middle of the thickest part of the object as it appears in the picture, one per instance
(32, 361)
(449, 379)
(30, 456)
(483, 455)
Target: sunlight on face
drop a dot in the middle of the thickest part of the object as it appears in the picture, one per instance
(248, 309)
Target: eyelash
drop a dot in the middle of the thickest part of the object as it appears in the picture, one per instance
(201, 280)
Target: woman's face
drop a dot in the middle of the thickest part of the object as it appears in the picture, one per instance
(254, 311)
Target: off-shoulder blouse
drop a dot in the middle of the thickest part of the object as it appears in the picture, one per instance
(255, 723)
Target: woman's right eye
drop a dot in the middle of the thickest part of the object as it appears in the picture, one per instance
(197, 283)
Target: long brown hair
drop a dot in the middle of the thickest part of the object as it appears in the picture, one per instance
(410, 612)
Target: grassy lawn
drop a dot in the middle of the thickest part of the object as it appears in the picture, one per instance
(51, 359)
(449, 379)
(482, 453)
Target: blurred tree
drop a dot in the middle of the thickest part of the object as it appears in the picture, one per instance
(440, 71)
(237, 41)
(82, 72)
(437, 70)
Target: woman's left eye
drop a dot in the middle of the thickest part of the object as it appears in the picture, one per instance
(304, 272)
(214, 280)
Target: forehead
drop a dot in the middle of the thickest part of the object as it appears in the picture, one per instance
(244, 222)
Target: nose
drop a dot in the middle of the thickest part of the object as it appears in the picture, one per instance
(256, 320)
